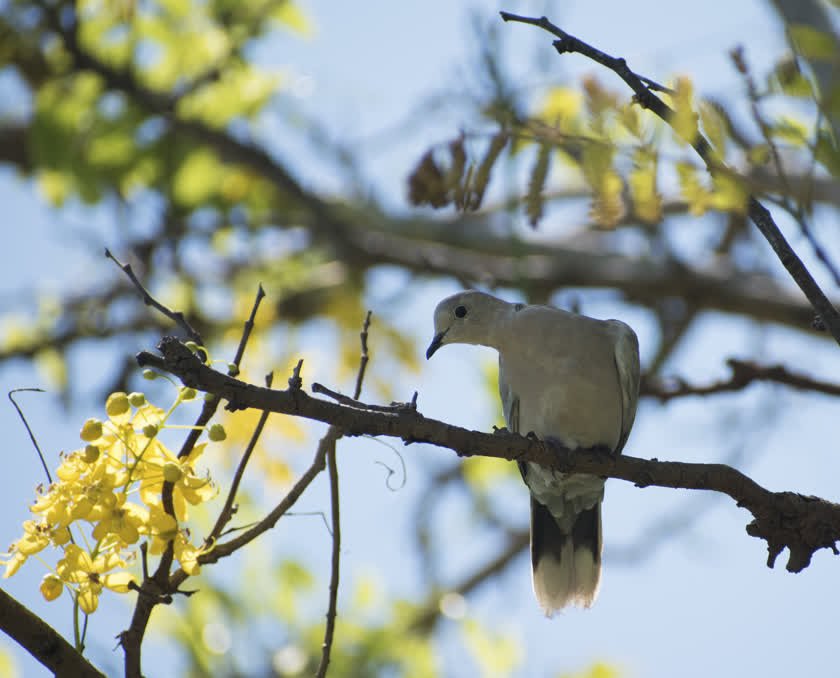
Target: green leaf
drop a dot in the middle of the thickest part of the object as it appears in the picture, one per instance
(813, 44)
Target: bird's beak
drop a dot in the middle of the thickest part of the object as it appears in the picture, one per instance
(437, 342)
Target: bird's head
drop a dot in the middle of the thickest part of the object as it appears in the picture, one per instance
(469, 317)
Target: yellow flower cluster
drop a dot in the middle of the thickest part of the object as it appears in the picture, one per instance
(90, 503)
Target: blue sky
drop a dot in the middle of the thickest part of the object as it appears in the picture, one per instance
(703, 603)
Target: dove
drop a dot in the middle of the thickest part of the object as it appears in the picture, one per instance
(562, 376)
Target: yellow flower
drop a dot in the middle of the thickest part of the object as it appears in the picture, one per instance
(187, 554)
(188, 487)
(35, 539)
(14, 563)
(89, 574)
(162, 529)
(165, 529)
(122, 520)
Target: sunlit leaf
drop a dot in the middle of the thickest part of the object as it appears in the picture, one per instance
(714, 128)
(647, 201)
(561, 104)
(684, 121)
(693, 189)
(292, 16)
(198, 178)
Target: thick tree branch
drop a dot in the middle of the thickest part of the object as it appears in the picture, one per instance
(784, 519)
(758, 213)
(42, 641)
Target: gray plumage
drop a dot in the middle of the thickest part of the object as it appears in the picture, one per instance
(563, 376)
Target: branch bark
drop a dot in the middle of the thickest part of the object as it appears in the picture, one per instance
(42, 641)
(801, 523)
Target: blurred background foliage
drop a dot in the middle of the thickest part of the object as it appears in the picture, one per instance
(155, 112)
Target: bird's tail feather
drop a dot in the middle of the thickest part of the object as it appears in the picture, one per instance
(566, 564)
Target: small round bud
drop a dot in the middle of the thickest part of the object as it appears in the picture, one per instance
(188, 393)
(91, 454)
(117, 404)
(137, 399)
(92, 430)
(150, 430)
(51, 586)
(151, 375)
(217, 433)
(172, 473)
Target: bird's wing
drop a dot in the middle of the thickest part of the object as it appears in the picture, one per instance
(627, 367)
(510, 406)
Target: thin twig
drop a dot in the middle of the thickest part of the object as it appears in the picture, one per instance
(29, 430)
(759, 214)
(248, 327)
(226, 548)
(176, 316)
(228, 509)
(545, 24)
(363, 360)
(329, 629)
(332, 465)
(350, 402)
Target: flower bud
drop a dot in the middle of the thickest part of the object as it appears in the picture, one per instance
(137, 399)
(150, 430)
(91, 454)
(172, 472)
(117, 404)
(217, 433)
(92, 430)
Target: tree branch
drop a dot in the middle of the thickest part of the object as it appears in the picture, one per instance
(784, 519)
(744, 372)
(758, 213)
(42, 641)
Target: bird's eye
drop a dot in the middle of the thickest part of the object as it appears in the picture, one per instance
(460, 311)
